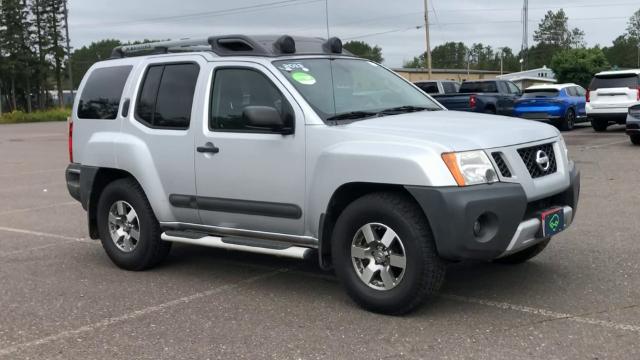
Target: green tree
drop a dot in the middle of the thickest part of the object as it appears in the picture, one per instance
(450, 55)
(15, 49)
(552, 36)
(82, 59)
(624, 52)
(633, 26)
(364, 50)
(53, 20)
(578, 65)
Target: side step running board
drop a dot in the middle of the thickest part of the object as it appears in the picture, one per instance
(238, 244)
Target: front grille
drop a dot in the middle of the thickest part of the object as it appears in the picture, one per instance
(502, 165)
(529, 156)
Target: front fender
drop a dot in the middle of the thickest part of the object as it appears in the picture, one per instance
(374, 163)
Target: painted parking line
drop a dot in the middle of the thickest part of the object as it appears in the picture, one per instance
(135, 314)
(23, 187)
(543, 312)
(14, 211)
(18, 252)
(42, 234)
(32, 173)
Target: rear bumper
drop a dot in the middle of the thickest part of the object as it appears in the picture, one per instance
(620, 118)
(508, 221)
(80, 182)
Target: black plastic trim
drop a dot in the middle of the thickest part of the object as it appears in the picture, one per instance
(237, 206)
(452, 212)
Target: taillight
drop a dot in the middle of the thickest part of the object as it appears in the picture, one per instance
(70, 139)
(473, 101)
(588, 95)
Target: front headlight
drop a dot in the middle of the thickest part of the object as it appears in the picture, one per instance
(470, 168)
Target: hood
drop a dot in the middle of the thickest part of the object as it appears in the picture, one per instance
(456, 130)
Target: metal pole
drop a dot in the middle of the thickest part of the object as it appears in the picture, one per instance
(66, 27)
(638, 53)
(326, 15)
(501, 62)
(426, 28)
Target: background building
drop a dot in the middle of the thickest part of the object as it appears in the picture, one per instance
(524, 79)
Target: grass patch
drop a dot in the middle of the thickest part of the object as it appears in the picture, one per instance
(16, 117)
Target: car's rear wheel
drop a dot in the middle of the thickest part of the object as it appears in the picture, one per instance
(524, 255)
(384, 254)
(569, 121)
(635, 139)
(129, 231)
(599, 125)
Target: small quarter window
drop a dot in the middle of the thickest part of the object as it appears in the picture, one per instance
(102, 92)
(166, 97)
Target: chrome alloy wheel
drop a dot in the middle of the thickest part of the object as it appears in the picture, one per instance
(378, 256)
(124, 226)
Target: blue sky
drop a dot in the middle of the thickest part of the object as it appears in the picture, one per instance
(389, 24)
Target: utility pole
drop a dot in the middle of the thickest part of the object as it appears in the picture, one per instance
(501, 62)
(326, 13)
(66, 27)
(525, 33)
(426, 29)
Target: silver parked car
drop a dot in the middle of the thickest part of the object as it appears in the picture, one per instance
(290, 147)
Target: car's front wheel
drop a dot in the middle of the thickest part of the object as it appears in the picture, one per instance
(129, 231)
(384, 254)
(635, 139)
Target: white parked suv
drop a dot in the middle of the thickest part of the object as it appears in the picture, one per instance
(291, 147)
(610, 95)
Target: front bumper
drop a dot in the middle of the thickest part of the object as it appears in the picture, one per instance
(633, 125)
(509, 222)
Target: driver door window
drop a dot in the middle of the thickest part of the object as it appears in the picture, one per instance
(235, 89)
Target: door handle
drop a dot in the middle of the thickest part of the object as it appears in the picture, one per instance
(209, 148)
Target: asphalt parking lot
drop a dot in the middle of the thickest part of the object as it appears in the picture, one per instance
(61, 298)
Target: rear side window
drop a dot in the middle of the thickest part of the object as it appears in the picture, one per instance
(166, 97)
(100, 98)
(428, 87)
(615, 81)
(540, 93)
(479, 87)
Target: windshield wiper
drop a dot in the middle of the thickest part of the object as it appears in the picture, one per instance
(405, 109)
(352, 115)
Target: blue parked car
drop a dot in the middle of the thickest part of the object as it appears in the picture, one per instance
(562, 105)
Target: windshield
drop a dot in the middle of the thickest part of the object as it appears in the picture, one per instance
(540, 93)
(358, 88)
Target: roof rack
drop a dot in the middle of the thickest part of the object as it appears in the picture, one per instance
(238, 45)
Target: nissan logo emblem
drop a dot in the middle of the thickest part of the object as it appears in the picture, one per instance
(542, 159)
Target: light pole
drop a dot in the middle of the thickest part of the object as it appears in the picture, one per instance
(639, 54)
(426, 27)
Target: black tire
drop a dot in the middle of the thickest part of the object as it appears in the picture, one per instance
(490, 111)
(599, 125)
(569, 121)
(150, 250)
(424, 271)
(635, 139)
(524, 255)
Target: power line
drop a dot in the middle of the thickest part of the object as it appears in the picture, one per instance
(230, 11)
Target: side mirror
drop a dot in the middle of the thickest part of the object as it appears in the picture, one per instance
(265, 118)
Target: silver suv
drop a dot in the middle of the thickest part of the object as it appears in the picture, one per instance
(292, 147)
